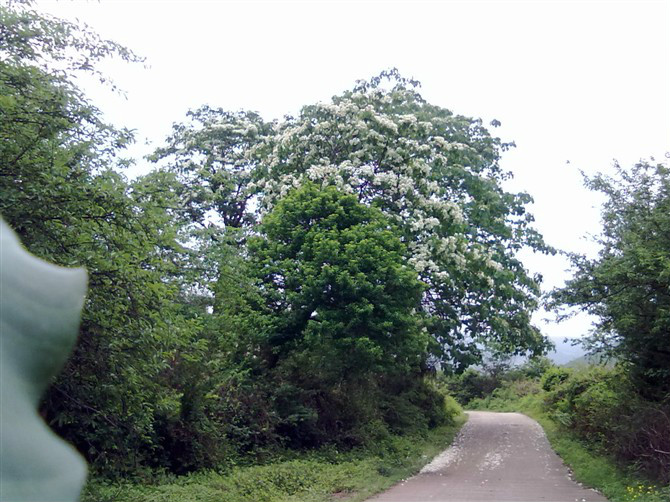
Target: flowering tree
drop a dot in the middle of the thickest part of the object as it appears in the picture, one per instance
(436, 175)
(215, 155)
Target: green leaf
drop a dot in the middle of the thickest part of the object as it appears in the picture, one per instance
(40, 304)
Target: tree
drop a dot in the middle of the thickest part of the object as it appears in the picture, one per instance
(334, 276)
(343, 305)
(61, 189)
(215, 155)
(50, 136)
(56, 153)
(628, 285)
(434, 174)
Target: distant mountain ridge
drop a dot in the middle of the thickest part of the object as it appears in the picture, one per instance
(565, 351)
(585, 361)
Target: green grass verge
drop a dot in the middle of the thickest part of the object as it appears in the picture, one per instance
(588, 466)
(318, 477)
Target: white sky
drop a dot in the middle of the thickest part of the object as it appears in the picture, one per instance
(578, 81)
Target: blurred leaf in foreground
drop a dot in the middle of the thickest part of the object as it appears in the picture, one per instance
(40, 304)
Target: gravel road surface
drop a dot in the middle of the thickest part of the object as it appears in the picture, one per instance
(500, 457)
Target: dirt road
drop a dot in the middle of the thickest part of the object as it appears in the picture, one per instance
(501, 457)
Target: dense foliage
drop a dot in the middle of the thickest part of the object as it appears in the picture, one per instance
(345, 331)
(62, 191)
(606, 410)
(317, 476)
(434, 174)
(628, 285)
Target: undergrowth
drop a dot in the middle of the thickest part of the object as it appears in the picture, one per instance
(318, 476)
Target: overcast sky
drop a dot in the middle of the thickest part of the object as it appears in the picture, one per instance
(575, 84)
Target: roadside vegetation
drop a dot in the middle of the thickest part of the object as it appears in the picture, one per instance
(318, 476)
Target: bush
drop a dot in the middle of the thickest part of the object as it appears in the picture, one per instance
(469, 385)
(322, 475)
(602, 407)
(451, 409)
(507, 397)
(554, 377)
(418, 408)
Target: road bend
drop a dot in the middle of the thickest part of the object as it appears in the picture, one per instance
(502, 457)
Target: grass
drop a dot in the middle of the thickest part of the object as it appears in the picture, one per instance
(588, 466)
(318, 477)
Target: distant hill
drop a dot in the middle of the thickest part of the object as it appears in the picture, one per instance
(565, 351)
(585, 360)
(578, 362)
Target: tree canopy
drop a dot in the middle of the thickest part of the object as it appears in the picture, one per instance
(434, 174)
(335, 279)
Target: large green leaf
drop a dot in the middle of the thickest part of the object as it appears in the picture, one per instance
(40, 305)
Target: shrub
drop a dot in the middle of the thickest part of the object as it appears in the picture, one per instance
(602, 407)
(554, 377)
(451, 409)
(469, 385)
